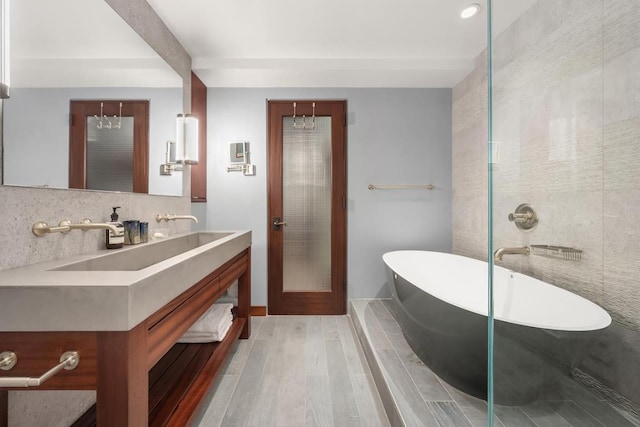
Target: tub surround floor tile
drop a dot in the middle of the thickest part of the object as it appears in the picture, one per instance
(414, 396)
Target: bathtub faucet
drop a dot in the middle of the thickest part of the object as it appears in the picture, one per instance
(500, 252)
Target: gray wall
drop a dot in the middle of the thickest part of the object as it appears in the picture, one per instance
(566, 117)
(394, 136)
(36, 127)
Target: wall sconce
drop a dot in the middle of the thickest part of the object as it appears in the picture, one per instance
(187, 139)
(5, 65)
(171, 165)
(239, 159)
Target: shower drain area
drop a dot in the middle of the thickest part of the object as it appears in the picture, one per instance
(413, 395)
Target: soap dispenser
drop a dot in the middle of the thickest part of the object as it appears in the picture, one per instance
(115, 241)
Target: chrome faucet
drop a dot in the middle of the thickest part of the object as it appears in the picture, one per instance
(41, 228)
(172, 217)
(86, 224)
(500, 252)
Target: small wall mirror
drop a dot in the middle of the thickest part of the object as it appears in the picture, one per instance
(170, 164)
(239, 160)
(238, 153)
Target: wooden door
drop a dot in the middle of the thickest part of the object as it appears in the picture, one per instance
(108, 113)
(307, 207)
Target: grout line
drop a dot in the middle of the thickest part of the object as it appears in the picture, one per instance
(587, 411)
(527, 416)
(402, 366)
(362, 358)
(436, 376)
(226, 407)
(237, 377)
(405, 367)
(376, 366)
(569, 421)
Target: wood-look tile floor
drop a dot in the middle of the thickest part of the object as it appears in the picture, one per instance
(425, 400)
(295, 371)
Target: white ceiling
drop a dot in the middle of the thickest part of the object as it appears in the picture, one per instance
(334, 43)
(256, 43)
(80, 43)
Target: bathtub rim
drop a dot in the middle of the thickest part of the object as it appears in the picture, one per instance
(601, 318)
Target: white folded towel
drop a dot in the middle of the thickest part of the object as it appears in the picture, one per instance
(213, 325)
(205, 337)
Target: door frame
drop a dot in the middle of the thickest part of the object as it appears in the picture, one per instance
(80, 110)
(335, 301)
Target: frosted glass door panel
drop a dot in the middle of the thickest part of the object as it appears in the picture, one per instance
(110, 156)
(306, 195)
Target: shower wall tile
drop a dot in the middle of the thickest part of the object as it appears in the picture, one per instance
(572, 219)
(621, 77)
(571, 106)
(470, 153)
(566, 108)
(469, 163)
(622, 290)
(475, 79)
(570, 163)
(569, 51)
(622, 155)
(469, 223)
(620, 29)
(621, 232)
(506, 152)
(543, 18)
(472, 107)
(470, 246)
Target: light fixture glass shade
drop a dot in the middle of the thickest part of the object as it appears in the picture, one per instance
(187, 139)
(5, 66)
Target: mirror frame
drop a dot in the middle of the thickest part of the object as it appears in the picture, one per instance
(242, 154)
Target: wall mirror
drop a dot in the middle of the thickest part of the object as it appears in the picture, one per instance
(239, 159)
(238, 153)
(79, 50)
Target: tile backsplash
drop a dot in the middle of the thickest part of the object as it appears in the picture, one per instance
(21, 207)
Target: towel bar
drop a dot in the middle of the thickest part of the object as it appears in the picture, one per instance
(402, 187)
(69, 361)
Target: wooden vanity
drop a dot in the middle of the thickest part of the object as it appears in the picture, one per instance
(142, 377)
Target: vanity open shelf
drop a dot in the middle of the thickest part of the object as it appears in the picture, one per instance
(142, 377)
(180, 380)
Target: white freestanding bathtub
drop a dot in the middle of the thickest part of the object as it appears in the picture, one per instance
(441, 302)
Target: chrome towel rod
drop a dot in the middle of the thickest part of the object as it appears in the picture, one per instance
(68, 361)
(401, 187)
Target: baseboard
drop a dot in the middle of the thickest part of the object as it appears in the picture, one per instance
(258, 310)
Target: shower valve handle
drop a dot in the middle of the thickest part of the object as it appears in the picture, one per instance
(520, 217)
(525, 217)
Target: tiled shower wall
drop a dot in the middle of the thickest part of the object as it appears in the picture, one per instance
(567, 124)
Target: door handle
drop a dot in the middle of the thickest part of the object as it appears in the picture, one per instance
(277, 223)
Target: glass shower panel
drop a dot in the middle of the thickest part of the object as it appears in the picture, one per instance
(306, 195)
(110, 155)
(565, 123)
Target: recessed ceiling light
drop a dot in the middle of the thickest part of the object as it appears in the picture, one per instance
(470, 10)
